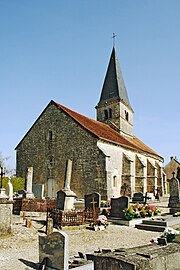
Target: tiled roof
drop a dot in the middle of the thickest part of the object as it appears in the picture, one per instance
(104, 131)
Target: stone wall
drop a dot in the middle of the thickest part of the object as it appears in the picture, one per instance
(53, 139)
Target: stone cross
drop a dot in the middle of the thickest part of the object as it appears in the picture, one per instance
(68, 175)
(29, 178)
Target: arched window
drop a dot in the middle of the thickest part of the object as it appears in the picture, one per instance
(126, 115)
(105, 114)
(110, 113)
(114, 181)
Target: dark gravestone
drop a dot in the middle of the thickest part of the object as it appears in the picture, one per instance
(118, 205)
(38, 190)
(92, 200)
(61, 195)
(138, 197)
(174, 192)
(53, 250)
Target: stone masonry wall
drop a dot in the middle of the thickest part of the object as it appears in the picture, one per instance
(54, 138)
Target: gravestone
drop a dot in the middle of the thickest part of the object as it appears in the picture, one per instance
(92, 200)
(118, 205)
(66, 197)
(29, 178)
(53, 249)
(174, 199)
(38, 190)
(9, 190)
(138, 197)
(6, 207)
(60, 202)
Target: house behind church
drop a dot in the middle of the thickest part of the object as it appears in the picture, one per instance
(106, 155)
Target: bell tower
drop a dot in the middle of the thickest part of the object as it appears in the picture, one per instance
(114, 107)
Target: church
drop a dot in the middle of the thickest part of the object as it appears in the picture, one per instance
(106, 156)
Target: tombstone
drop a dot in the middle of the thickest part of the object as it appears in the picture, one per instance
(53, 250)
(29, 178)
(9, 190)
(118, 205)
(92, 200)
(38, 190)
(66, 197)
(6, 207)
(174, 192)
(138, 197)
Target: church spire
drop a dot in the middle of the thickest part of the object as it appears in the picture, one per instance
(114, 107)
(114, 87)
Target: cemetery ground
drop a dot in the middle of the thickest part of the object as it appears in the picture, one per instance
(21, 250)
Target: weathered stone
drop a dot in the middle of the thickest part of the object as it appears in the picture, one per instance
(149, 257)
(38, 190)
(6, 207)
(29, 178)
(54, 247)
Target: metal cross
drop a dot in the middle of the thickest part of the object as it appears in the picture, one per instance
(113, 37)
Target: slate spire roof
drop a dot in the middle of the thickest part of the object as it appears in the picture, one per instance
(114, 87)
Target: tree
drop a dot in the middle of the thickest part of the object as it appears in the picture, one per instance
(3, 163)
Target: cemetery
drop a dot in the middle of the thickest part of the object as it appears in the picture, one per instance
(56, 223)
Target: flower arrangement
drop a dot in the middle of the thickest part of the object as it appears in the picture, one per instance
(140, 211)
(101, 223)
(170, 234)
(101, 220)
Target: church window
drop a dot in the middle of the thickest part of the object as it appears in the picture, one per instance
(126, 115)
(50, 135)
(105, 114)
(115, 181)
(110, 113)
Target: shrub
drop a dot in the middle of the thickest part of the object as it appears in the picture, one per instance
(18, 183)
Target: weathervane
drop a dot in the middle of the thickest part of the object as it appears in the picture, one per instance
(113, 37)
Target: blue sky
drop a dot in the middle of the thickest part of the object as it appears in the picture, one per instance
(60, 49)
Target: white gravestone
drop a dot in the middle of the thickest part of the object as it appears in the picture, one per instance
(9, 190)
(29, 178)
(66, 197)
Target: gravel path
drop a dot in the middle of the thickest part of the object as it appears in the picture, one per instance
(21, 251)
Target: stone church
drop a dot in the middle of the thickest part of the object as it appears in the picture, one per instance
(106, 156)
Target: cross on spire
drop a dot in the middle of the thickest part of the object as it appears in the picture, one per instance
(113, 37)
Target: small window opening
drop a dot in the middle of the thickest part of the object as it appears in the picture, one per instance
(110, 113)
(50, 135)
(115, 181)
(105, 114)
(126, 115)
